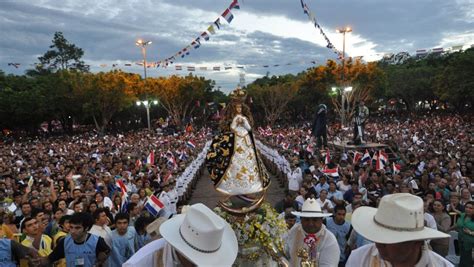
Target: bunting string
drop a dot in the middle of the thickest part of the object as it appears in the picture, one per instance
(227, 15)
(394, 58)
(312, 18)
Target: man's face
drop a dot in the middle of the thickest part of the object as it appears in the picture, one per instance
(77, 232)
(311, 225)
(357, 198)
(31, 227)
(340, 215)
(121, 225)
(26, 209)
(399, 252)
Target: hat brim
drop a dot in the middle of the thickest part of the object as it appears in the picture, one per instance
(224, 256)
(311, 214)
(363, 222)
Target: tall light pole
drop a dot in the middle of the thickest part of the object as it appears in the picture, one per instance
(147, 105)
(343, 31)
(141, 43)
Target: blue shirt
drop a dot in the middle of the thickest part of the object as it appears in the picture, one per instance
(6, 258)
(80, 254)
(123, 246)
(340, 231)
(320, 187)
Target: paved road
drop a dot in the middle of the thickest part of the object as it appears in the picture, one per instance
(205, 193)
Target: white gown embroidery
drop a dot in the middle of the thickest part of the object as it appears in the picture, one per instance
(242, 175)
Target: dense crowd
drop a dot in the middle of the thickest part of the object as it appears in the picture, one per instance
(56, 192)
(45, 181)
(431, 156)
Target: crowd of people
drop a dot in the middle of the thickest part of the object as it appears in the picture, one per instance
(90, 184)
(431, 157)
(72, 194)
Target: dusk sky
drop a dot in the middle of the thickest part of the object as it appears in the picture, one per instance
(262, 32)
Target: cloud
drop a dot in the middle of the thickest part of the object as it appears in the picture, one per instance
(263, 32)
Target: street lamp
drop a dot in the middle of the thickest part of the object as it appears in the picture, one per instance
(141, 43)
(343, 31)
(147, 105)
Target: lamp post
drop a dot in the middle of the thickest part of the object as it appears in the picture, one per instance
(343, 31)
(147, 105)
(143, 45)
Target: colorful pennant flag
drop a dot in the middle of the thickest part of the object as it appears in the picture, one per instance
(227, 15)
(235, 4)
(211, 30)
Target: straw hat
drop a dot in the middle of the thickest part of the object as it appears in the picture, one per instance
(202, 237)
(399, 218)
(311, 209)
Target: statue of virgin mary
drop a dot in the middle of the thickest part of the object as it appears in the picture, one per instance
(233, 161)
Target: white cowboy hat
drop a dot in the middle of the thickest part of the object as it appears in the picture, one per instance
(399, 218)
(311, 209)
(202, 237)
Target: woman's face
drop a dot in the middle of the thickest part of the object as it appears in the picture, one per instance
(469, 209)
(92, 208)
(238, 109)
(437, 206)
(98, 198)
(62, 205)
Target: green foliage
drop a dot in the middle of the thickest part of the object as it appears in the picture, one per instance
(62, 56)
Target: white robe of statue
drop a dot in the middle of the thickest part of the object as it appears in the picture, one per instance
(242, 175)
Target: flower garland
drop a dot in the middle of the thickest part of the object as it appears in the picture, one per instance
(262, 228)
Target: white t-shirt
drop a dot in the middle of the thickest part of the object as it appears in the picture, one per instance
(369, 256)
(321, 204)
(342, 187)
(295, 179)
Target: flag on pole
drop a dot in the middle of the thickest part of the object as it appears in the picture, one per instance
(396, 168)
(151, 158)
(191, 144)
(138, 163)
(357, 157)
(154, 205)
(334, 172)
(120, 185)
(366, 158)
(227, 15)
(381, 161)
(327, 159)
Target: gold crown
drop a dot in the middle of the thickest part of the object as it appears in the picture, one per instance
(238, 94)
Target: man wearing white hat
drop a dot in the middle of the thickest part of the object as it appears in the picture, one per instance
(198, 238)
(311, 234)
(398, 232)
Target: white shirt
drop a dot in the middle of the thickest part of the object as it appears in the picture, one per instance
(368, 256)
(104, 232)
(295, 179)
(328, 249)
(321, 204)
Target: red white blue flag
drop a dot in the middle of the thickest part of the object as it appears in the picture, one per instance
(227, 15)
(154, 205)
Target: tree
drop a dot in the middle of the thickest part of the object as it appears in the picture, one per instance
(62, 56)
(273, 99)
(104, 94)
(179, 95)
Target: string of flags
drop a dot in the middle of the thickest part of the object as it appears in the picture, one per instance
(227, 15)
(312, 18)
